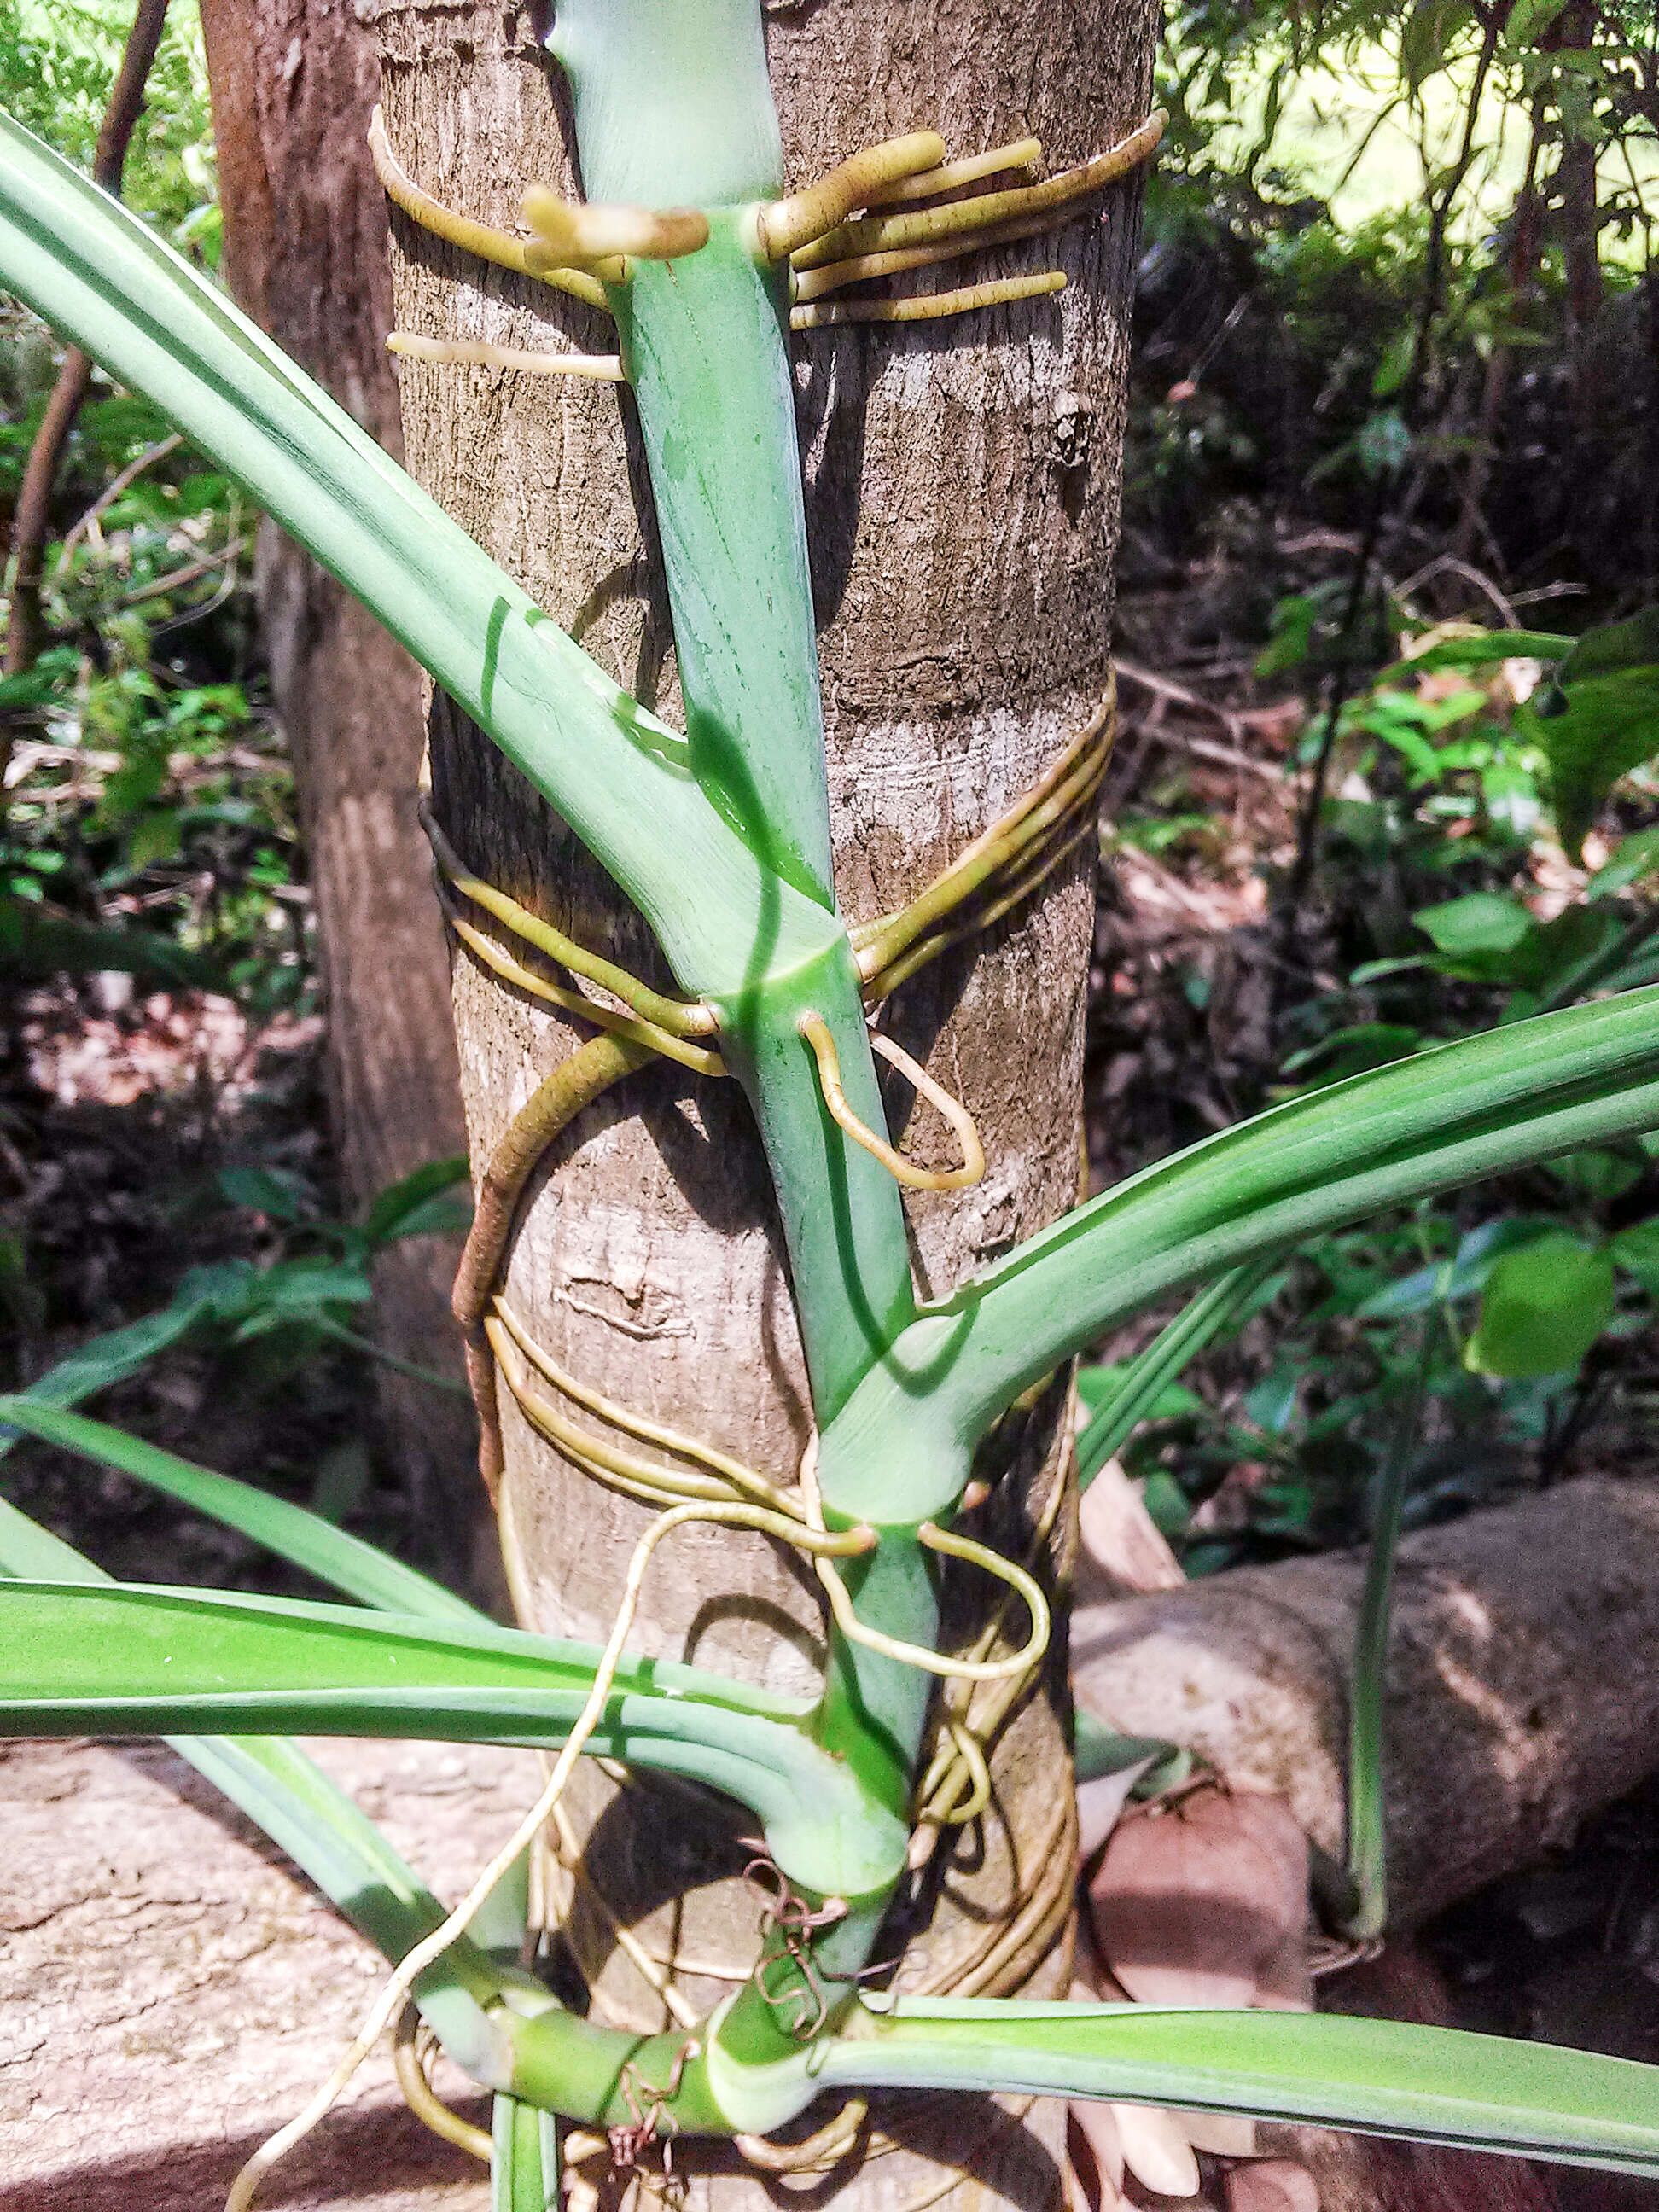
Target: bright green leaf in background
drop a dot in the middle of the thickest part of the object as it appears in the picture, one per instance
(1431, 29)
(1636, 1251)
(422, 1204)
(1529, 19)
(1544, 1307)
(1599, 719)
(1600, 730)
(1479, 648)
(1485, 921)
(1635, 859)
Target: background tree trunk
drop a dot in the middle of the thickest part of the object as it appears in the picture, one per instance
(293, 83)
(961, 498)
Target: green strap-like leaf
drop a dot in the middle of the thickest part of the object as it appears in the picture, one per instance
(304, 1538)
(102, 1360)
(291, 1799)
(1386, 2077)
(523, 2158)
(615, 773)
(123, 1660)
(1151, 1372)
(1481, 1106)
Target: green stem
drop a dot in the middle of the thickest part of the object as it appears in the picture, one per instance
(843, 1221)
(703, 343)
(673, 105)
(1367, 1797)
(340, 1334)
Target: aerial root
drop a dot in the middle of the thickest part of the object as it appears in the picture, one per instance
(678, 1019)
(395, 1994)
(410, 2046)
(472, 353)
(928, 306)
(988, 211)
(596, 234)
(816, 1031)
(808, 284)
(723, 1480)
(783, 225)
(880, 245)
(1014, 1668)
(482, 239)
(1020, 154)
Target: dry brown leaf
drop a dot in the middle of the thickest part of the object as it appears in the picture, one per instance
(1272, 2184)
(1156, 2149)
(1205, 1902)
(1223, 2135)
(1100, 2131)
(1100, 1804)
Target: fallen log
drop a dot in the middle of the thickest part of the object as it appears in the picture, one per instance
(1523, 1694)
(170, 1990)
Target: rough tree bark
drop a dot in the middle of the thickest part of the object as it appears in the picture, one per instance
(293, 85)
(962, 497)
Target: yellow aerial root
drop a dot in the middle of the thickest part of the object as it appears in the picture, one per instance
(1017, 1664)
(480, 238)
(783, 225)
(929, 306)
(926, 226)
(1022, 154)
(466, 353)
(816, 1031)
(592, 234)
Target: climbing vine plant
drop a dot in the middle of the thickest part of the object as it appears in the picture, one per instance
(720, 836)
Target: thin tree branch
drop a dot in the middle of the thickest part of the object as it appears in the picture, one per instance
(1340, 684)
(33, 510)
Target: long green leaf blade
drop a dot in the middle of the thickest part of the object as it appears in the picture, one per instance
(1151, 1372)
(304, 1538)
(1478, 1108)
(524, 2161)
(1386, 2077)
(1481, 1106)
(616, 773)
(290, 1798)
(117, 1659)
(102, 1360)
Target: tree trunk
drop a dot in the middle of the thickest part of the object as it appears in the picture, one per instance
(961, 490)
(293, 83)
